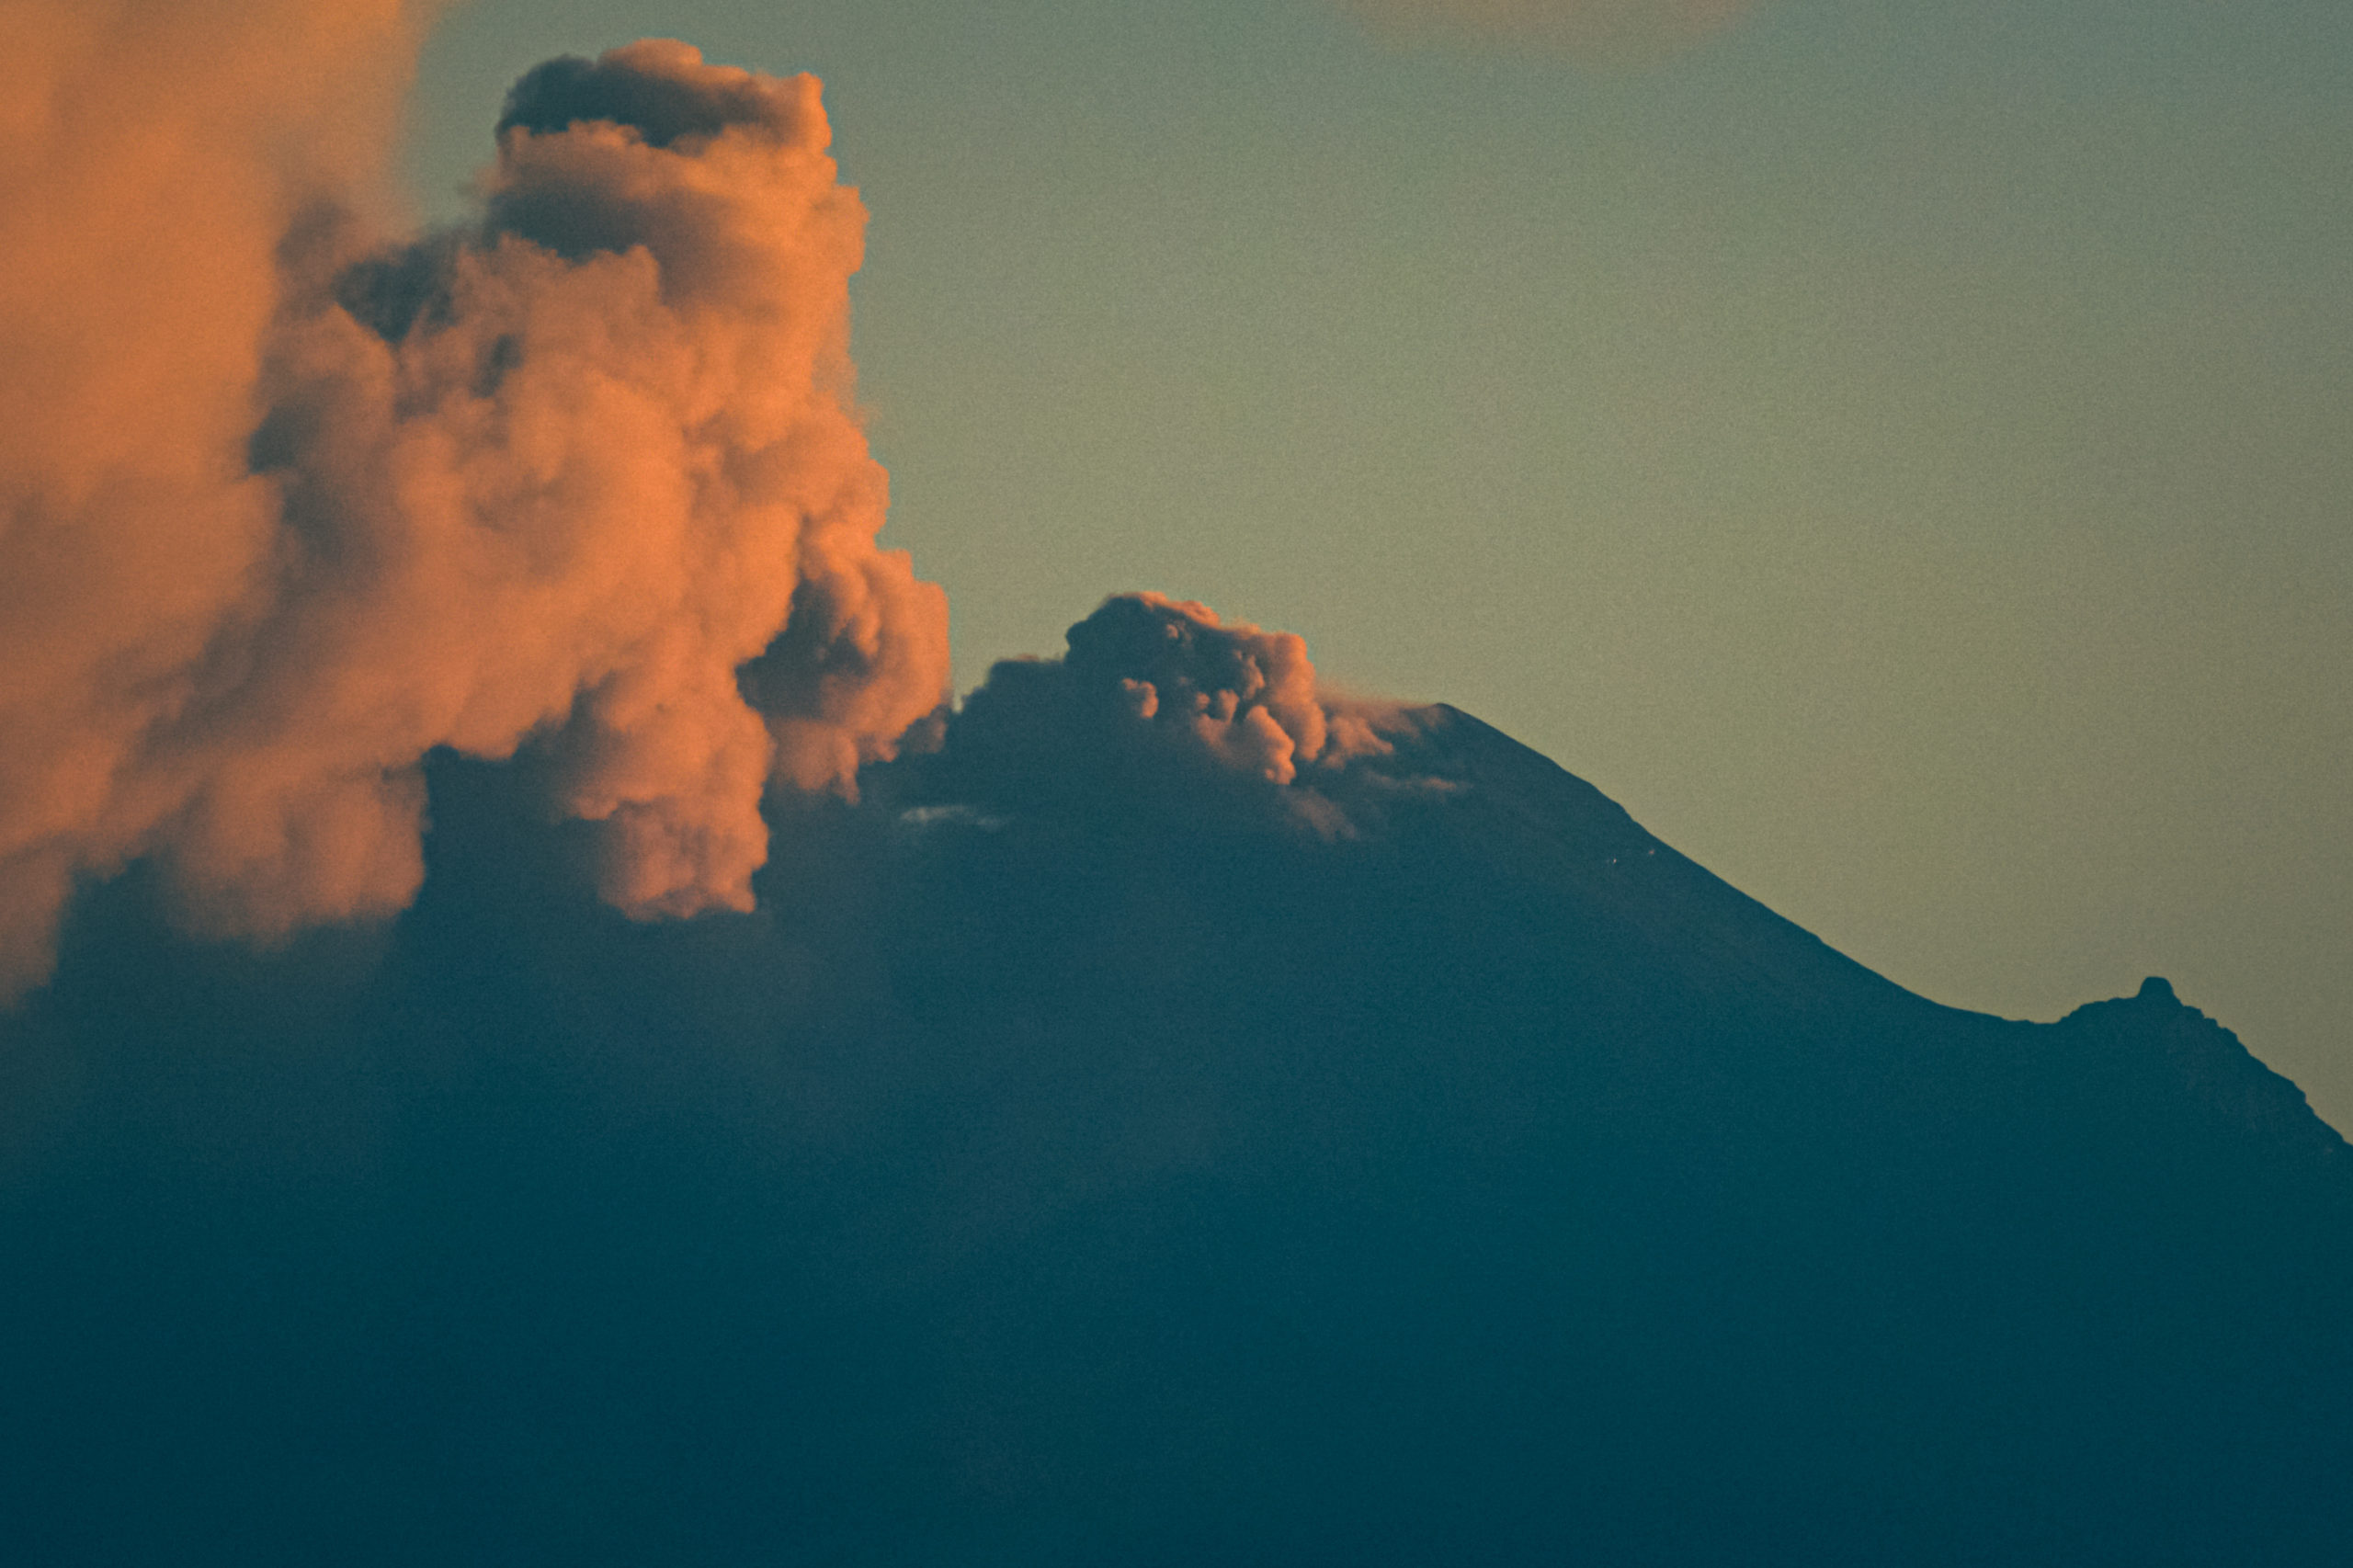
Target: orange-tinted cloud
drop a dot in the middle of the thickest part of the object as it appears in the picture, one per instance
(1246, 698)
(286, 507)
(1635, 29)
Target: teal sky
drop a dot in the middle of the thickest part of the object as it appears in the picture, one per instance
(1902, 453)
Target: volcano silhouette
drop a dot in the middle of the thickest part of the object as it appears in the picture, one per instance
(1098, 1166)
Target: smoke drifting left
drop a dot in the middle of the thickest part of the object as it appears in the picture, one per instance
(289, 503)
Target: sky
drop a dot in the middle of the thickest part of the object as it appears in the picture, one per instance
(1903, 454)
(515, 990)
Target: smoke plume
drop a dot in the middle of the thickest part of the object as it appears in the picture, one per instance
(1159, 695)
(288, 506)
(1589, 28)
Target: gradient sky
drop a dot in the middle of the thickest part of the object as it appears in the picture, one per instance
(1904, 454)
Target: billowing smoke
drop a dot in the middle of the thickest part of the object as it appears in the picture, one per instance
(1607, 28)
(1158, 693)
(287, 506)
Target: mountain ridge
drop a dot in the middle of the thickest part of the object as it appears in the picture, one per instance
(1135, 1167)
(2212, 1061)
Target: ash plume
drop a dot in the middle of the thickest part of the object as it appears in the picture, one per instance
(1162, 698)
(1169, 1113)
(288, 506)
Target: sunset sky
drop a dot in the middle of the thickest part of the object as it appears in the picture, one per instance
(724, 836)
(1902, 453)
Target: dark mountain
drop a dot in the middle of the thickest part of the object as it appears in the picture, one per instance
(1123, 1165)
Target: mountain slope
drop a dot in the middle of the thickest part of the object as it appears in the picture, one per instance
(1126, 1170)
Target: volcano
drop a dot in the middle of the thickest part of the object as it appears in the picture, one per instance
(1093, 1154)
